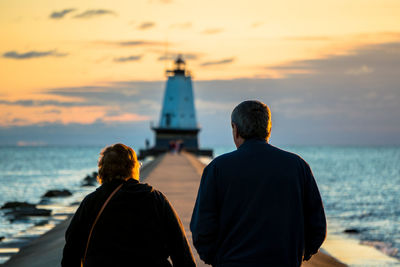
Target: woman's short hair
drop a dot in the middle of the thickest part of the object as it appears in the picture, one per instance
(118, 162)
(252, 119)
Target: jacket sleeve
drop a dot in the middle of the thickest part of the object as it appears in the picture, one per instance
(204, 223)
(75, 239)
(314, 215)
(177, 243)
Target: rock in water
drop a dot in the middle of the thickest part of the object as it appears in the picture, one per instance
(20, 210)
(16, 204)
(351, 231)
(20, 213)
(24, 212)
(90, 180)
(41, 223)
(57, 193)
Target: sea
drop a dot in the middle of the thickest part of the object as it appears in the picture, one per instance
(359, 185)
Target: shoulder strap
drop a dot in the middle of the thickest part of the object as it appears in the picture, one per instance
(97, 218)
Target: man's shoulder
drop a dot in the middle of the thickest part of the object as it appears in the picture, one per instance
(290, 156)
(263, 151)
(224, 158)
(286, 153)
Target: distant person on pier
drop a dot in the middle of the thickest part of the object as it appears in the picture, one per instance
(172, 146)
(181, 146)
(258, 205)
(136, 227)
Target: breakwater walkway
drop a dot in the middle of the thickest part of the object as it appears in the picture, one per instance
(177, 176)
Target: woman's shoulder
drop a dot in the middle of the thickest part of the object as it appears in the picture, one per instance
(100, 193)
(134, 190)
(141, 188)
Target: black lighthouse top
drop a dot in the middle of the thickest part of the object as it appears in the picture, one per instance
(180, 67)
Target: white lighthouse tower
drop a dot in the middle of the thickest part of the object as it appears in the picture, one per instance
(178, 114)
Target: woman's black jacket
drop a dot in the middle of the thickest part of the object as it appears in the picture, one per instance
(138, 227)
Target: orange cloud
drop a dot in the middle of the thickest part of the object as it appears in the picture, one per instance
(126, 117)
(13, 115)
(43, 97)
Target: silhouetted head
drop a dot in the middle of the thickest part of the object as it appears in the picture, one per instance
(118, 162)
(251, 119)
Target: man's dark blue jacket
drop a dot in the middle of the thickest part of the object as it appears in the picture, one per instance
(258, 206)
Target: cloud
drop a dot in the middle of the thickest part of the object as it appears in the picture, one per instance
(132, 43)
(256, 24)
(308, 38)
(22, 116)
(212, 107)
(125, 117)
(140, 43)
(360, 71)
(146, 25)
(161, 1)
(294, 65)
(41, 103)
(33, 54)
(185, 56)
(128, 59)
(285, 69)
(212, 31)
(91, 13)
(361, 60)
(129, 97)
(61, 14)
(98, 133)
(218, 62)
(116, 102)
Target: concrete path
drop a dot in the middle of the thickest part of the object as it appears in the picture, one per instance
(177, 176)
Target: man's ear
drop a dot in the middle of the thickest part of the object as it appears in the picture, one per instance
(237, 139)
(234, 130)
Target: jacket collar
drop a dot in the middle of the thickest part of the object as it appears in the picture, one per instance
(131, 181)
(117, 182)
(251, 142)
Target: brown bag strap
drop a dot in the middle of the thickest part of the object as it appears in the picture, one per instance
(97, 218)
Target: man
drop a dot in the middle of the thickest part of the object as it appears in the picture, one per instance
(258, 205)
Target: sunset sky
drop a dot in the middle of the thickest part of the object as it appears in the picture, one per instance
(93, 72)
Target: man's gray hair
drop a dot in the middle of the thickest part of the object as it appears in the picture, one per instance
(252, 119)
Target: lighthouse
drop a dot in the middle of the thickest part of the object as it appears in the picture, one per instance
(177, 122)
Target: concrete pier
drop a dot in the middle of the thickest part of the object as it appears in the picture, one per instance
(177, 176)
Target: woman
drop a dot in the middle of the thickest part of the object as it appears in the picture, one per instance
(137, 226)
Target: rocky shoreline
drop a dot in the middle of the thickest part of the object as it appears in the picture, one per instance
(39, 217)
(16, 210)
